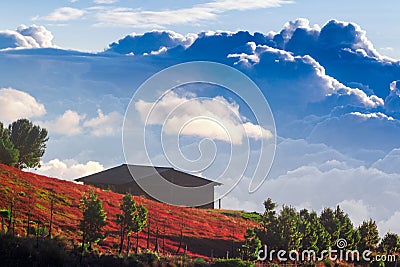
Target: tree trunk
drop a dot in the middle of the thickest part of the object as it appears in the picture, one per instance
(2, 225)
(28, 230)
(163, 240)
(137, 242)
(148, 236)
(180, 240)
(128, 247)
(156, 247)
(51, 215)
(121, 245)
(10, 220)
(83, 247)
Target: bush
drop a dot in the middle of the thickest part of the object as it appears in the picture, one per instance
(199, 262)
(148, 257)
(231, 263)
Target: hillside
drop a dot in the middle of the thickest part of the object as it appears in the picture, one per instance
(203, 231)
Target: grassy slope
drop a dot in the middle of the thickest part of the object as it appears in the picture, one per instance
(203, 230)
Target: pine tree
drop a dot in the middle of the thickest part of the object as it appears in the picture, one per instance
(369, 235)
(390, 243)
(133, 218)
(331, 225)
(308, 231)
(346, 229)
(269, 234)
(94, 219)
(288, 229)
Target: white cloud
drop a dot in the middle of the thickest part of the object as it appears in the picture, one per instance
(40, 34)
(73, 123)
(63, 14)
(358, 211)
(198, 13)
(26, 37)
(67, 124)
(390, 163)
(104, 125)
(153, 42)
(390, 225)
(15, 104)
(323, 85)
(213, 118)
(68, 169)
(375, 115)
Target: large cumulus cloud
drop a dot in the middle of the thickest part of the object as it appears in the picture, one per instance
(26, 37)
(150, 42)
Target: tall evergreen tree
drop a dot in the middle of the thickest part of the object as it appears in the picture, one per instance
(288, 229)
(308, 231)
(94, 219)
(269, 234)
(369, 235)
(390, 243)
(140, 223)
(331, 225)
(133, 218)
(346, 229)
(323, 240)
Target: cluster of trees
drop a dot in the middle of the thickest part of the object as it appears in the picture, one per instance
(22, 144)
(306, 230)
(132, 219)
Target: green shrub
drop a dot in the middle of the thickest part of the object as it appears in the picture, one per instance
(148, 257)
(199, 262)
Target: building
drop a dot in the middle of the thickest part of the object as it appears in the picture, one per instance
(120, 179)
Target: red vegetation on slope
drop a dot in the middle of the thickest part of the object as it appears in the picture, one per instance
(203, 231)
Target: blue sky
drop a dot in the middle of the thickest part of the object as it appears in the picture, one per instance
(80, 31)
(331, 80)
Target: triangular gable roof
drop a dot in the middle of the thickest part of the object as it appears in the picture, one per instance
(120, 175)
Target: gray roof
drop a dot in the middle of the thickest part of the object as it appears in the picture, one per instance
(122, 174)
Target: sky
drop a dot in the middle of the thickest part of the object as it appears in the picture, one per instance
(92, 25)
(313, 98)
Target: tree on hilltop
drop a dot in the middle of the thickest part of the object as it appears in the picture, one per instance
(8, 153)
(30, 140)
(23, 144)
